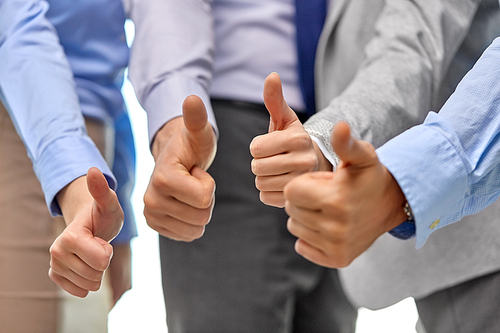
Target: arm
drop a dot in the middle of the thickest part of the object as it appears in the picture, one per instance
(392, 90)
(460, 145)
(93, 37)
(41, 99)
(171, 58)
(400, 77)
(447, 168)
(42, 102)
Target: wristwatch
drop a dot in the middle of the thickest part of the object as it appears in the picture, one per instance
(409, 213)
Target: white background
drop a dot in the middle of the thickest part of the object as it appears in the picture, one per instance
(142, 309)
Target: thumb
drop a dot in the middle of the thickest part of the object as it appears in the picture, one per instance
(281, 113)
(350, 150)
(200, 133)
(108, 248)
(107, 213)
(98, 187)
(196, 119)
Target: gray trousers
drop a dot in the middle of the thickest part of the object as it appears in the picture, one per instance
(470, 307)
(243, 275)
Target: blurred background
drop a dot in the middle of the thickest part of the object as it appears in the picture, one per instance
(142, 309)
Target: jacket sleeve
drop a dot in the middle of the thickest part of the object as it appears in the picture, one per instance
(405, 61)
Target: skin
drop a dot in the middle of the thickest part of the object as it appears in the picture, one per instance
(180, 197)
(337, 216)
(82, 253)
(286, 151)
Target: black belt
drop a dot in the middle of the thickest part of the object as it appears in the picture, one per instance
(258, 107)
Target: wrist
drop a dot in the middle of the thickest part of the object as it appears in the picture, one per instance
(73, 197)
(164, 135)
(409, 213)
(323, 163)
(399, 211)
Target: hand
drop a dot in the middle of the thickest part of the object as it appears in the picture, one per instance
(286, 151)
(120, 270)
(337, 216)
(81, 253)
(180, 196)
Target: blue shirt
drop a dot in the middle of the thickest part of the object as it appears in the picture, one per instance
(93, 37)
(449, 166)
(37, 83)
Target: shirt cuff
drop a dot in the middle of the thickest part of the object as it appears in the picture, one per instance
(64, 160)
(404, 231)
(164, 102)
(431, 175)
(333, 159)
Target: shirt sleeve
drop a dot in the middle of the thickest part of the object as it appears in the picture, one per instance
(449, 166)
(37, 89)
(124, 171)
(171, 56)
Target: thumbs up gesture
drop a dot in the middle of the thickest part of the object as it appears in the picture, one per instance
(286, 151)
(179, 200)
(81, 254)
(337, 216)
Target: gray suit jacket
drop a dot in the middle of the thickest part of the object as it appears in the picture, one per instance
(381, 66)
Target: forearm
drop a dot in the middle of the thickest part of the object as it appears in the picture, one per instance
(404, 64)
(448, 166)
(164, 134)
(73, 198)
(431, 175)
(30, 43)
(171, 57)
(41, 99)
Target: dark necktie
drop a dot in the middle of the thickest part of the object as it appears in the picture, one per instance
(309, 19)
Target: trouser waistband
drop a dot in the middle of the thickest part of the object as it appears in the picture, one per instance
(257, 107)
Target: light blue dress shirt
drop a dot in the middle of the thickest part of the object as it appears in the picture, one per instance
(92, 34)
(38, 91)
(449, 166)
(37, 83)
(93, 37)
